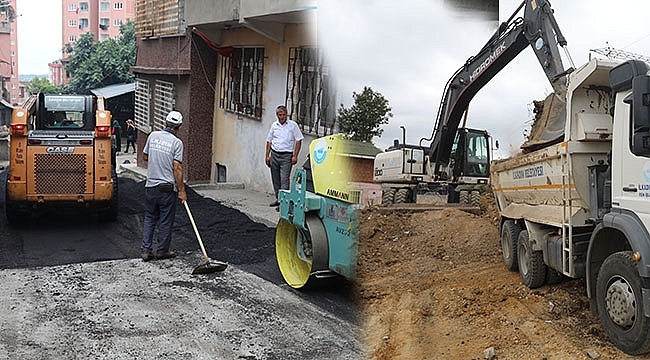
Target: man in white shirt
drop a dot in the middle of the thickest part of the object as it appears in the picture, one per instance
(282, 147)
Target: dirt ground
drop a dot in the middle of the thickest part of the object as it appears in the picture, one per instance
(433, 286)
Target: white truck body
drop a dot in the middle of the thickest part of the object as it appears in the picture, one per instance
(581, 207)
(536, 186)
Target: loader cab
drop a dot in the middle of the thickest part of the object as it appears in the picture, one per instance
(64, 113)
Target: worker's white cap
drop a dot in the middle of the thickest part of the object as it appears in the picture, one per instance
(174, 118)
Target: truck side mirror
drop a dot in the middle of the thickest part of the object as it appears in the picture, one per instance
(641, 115)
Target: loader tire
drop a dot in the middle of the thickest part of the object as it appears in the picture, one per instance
(509, 235)
(388, 197)
(531, 263)
(402, 196)
(463, 198)
(475, 199)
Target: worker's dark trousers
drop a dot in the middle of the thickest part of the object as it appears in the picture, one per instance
(280, 170)
(158, 207)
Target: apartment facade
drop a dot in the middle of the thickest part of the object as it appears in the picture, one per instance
(226, 65)
(98, 17)
(9, 51)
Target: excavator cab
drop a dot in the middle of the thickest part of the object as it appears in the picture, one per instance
(471, 155)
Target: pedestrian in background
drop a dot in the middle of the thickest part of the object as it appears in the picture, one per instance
(164, 153)
(117, 131)
(131, 135)
(283, 144)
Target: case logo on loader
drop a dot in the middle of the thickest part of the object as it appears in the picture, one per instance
(60, 150)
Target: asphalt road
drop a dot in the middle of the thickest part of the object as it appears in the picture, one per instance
(74, 287)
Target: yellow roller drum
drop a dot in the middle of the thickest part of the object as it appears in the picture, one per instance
(294, 269)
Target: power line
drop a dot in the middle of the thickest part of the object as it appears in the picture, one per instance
(618, 54)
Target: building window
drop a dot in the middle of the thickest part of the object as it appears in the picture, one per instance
(104, 23)
(310, 98)
(118, 6)
(104, 6)
(241, 83)
(83, 7)
(72, 7)
(72, 23)
(159, 18)
(141, 108)
(103, 37)
(117, 22)
(72, 38)
(83, 23)
(163, 102)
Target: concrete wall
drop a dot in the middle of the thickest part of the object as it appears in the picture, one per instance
(199, 12)
(239, 142)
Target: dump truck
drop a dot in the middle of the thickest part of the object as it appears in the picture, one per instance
(581, 208)
(61, 156)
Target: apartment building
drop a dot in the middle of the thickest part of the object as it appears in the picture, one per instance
(226, 65)
(101, 18)
(9, 51)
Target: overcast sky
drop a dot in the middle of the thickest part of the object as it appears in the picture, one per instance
(39, 35)
(408, 50)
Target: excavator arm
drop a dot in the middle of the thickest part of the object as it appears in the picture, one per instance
(538, 29)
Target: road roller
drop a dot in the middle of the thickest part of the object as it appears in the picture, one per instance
(316, 236)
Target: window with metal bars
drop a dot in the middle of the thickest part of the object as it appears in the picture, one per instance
(163, 102)
(141, 113)
(310, 98)
(241, 81)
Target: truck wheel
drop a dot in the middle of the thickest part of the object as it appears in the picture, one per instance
(475, 199)
(620, 304)
(388, 197)
(402, 196)
(531, 263)
(509, 234)
(463, 198)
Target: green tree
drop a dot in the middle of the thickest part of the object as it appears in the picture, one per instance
(362, 120)
(41, 85)
(93, 64)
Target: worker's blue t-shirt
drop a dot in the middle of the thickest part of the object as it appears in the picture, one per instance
(162, 148)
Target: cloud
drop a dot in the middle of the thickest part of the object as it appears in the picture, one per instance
(39, 35)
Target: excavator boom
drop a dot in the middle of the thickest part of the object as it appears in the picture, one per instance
(537, 29)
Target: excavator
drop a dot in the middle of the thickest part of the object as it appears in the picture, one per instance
(316, 236)
(457, 161)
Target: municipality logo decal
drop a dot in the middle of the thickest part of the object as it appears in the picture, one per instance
(320, 151)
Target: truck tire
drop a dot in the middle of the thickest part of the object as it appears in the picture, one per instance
(509, 234)
(531, 263)
(620, 304)
(475, 199)
(463, 199)
(388, 197)
(402, 196)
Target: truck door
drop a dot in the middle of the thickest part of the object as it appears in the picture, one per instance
(631, 152)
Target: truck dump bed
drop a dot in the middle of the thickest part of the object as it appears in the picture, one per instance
(554, 185)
